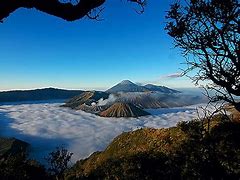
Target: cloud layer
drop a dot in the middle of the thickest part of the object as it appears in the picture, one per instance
(46, 126)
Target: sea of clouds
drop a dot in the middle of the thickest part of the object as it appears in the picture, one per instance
(46, 126)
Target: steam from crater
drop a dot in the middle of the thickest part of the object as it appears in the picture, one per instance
(111, 99)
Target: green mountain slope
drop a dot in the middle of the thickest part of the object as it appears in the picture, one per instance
(12, 146)
(182, 152)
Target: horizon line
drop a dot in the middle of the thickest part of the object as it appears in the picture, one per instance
(76, 89)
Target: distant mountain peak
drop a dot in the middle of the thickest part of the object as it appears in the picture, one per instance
(126, 86)
(126, 82)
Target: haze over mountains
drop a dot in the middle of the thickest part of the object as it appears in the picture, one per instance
(55, 94)
(37, 95)
(127, 99)
(130, 97)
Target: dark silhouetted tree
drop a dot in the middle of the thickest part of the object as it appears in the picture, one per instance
(69, 10)
(208, 33)
(58, 161)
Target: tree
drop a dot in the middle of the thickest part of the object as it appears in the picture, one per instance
(58, 161)
(208, 33)
(18, 166)
(69, 11)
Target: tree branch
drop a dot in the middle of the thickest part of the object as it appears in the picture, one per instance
(66, 11)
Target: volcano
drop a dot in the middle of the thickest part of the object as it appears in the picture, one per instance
(126, 86)
(123, 110)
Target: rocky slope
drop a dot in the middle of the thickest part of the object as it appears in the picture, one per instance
(123, 110)
(154, 100)
(91, 108)
(86, 98)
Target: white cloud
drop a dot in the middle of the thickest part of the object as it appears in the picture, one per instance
(46, 126)
(173, 80)
(172, 76)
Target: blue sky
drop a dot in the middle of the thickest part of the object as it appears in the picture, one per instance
(38, 50)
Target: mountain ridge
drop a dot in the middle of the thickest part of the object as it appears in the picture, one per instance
(37, 94)
(163, 89)
(126, 86)
(86, 98)
(129, 86)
